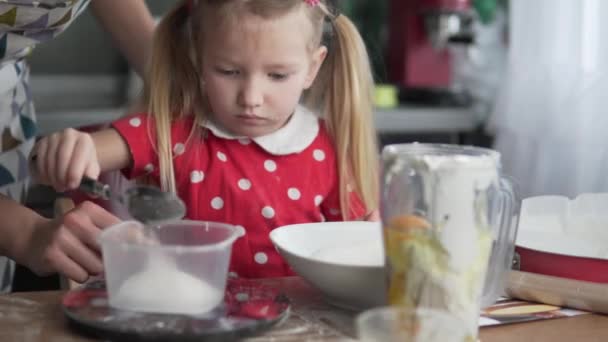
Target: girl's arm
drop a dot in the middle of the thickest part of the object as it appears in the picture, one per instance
(64, 158)
(373, 216)
(112, 151)
(131, 25)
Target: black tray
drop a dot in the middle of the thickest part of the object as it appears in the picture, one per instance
(249, 308)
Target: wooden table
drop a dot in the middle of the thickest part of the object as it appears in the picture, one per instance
(36, 316)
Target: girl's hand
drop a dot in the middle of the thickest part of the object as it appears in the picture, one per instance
(63, 158)
(68, 244)
(373, 216)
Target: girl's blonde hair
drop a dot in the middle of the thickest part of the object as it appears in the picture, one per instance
(342, 91)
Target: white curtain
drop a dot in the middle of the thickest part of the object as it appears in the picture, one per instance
(551, 117)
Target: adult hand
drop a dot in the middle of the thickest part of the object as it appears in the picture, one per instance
(68, 244)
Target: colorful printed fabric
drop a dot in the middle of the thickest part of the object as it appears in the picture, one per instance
(257, 184)
(23, 24)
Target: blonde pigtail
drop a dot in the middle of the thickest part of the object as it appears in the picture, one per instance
(349, 113)
(172, 84)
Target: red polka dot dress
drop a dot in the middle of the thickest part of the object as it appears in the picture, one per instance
(286, 177)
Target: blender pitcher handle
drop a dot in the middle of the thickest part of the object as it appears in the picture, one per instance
(508, 222)
(502, 255)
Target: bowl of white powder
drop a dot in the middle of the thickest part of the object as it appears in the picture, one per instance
(344, 260)
(180, 267)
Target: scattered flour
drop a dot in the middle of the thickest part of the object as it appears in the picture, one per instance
(161, 287)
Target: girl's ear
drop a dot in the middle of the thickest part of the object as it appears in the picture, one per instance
(317, 60)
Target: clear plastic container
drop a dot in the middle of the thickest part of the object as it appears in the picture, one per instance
(177, 268)
(398, 324)
(448, 227)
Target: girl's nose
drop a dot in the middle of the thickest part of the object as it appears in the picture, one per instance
(251, 94)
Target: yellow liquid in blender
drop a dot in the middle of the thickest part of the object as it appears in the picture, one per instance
(419, 272)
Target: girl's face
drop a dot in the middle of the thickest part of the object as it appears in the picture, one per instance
(254, 70)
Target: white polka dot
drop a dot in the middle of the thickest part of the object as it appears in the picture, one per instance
(242, 296)
(318, 155)
(318, 200)
(217, 203)
(244, 184)
(334, 212)
(261, 258)
(244, 141)
(197, 176)
(135, 122)
(293, 194)
(221, 156)
(323, 219)
(179, 148)
(240, 231)
(233, 275)
(149, 168)
(268, 212)
(270, 166)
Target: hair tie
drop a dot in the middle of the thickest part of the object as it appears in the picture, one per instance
(312, 2)
(330, 7)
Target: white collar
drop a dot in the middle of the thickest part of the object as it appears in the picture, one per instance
(297, 134)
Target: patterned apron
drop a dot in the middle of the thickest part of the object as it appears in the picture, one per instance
(23, 24)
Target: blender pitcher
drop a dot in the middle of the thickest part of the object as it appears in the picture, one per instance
(447, 214)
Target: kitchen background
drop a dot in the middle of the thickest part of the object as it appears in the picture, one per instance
(525, 77)
(80, 78)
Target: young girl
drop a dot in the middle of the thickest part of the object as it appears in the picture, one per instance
(260, 115)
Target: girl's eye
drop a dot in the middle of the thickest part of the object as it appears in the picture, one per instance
(227, 72)
(277, 76)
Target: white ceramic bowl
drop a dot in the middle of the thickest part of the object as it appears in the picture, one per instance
(344, 260)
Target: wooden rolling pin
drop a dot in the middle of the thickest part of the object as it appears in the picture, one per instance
(575, 294)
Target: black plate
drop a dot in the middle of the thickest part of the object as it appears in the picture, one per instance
(249, 308)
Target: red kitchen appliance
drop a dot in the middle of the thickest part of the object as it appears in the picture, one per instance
(420, 32)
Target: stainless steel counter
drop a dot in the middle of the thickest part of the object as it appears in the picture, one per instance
(403, 120)
(78, 101)
(425, 120)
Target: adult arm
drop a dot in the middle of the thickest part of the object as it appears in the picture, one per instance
(67, 244)
(131, 26)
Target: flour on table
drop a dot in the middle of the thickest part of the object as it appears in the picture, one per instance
(161, 287)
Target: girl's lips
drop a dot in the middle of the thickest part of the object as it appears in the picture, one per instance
(249, 116)
(251, 119)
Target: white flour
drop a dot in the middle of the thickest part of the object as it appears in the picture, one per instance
(456, 188)
(444, 269)
(458, 181)
(365, 253)
(161, 287)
